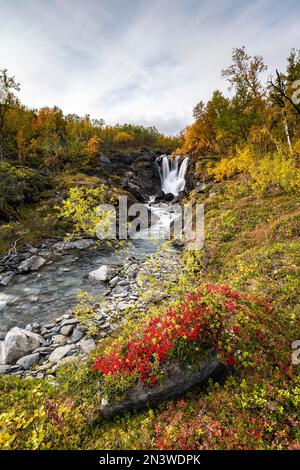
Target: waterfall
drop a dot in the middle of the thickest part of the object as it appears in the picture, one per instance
(172, 174)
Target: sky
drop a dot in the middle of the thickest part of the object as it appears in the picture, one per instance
(139, 61)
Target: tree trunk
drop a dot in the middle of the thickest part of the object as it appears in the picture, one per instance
(286, 130)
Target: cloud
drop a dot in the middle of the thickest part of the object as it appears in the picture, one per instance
(135, 60)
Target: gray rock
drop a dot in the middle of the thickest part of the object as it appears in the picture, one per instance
(18, 343)
(123, 305)
(76, 335)
(31, 264)
(66, 330)
(105, 163)
(104, 273)
(59, 353)
(4, 369)
(49, 326)
(70, 321)
(74, 245)
(177, 382)
(114, 281)
(56, 329)
(59, 339)
(44, 350)
(33, 250)
(87, 345)
(17, 372)
(46, 254)
(28, 361)
(6, 278)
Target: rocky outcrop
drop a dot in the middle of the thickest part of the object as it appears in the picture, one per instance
(136, 168)
(105, 163)
(177, 381)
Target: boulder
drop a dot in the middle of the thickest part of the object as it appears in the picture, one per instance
(59, 353)
(28, 361)
(18, 343)
(104, 273)
(177, 382)
(31, 264)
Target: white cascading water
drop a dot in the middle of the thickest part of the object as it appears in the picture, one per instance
(172, 174)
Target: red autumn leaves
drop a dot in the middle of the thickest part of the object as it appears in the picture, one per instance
(200, 321)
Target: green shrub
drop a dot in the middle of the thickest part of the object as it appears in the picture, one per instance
(17, 186)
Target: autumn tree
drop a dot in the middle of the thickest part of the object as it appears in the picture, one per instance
(282, 89)
(8, 85)
(243, 73)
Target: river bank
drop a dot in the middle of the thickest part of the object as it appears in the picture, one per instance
(49, 345)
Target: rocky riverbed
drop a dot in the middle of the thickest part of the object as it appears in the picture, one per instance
(38, 349)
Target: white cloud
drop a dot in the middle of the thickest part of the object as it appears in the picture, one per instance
(136, 61)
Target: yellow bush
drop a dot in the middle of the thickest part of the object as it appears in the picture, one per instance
(272, 169)
(123, 137)
(228, 167)
(296, 147)
(275, 169)
(81, 208)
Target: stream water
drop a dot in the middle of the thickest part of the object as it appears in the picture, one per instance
(44, 295)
